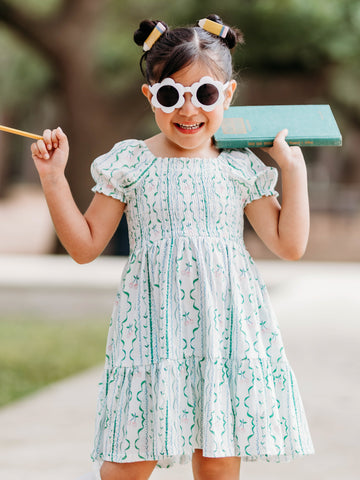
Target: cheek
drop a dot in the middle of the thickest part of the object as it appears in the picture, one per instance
(161, 117)
(216, 116)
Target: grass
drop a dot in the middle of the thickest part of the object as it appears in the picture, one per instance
(37, 352)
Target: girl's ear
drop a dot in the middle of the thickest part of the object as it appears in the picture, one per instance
(229, 93)
(146, 91)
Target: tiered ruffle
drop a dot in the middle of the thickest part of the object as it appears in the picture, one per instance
(249, 408)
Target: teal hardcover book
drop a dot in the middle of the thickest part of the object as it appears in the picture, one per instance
(257, 126)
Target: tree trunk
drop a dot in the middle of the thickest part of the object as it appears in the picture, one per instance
(91, 120)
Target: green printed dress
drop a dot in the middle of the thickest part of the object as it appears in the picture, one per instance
(194, 356)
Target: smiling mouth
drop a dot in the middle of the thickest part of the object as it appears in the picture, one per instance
(189, 127)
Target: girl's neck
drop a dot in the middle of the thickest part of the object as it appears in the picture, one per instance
(160, 146)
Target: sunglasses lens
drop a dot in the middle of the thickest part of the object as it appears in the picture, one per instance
(207, 94)
(167, 96)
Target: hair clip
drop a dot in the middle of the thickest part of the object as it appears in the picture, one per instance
(214, 27)
(154, 36)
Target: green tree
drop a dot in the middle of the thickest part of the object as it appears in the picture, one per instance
(92, 116)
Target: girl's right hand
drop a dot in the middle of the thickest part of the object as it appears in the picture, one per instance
(51, 154)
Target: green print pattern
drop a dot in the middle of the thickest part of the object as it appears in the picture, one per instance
(194, 356)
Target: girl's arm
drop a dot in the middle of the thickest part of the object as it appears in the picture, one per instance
(284, 229)
(83, 236)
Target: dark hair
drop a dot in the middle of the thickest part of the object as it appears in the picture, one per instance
(178, 48)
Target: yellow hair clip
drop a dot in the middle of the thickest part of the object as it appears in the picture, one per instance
(214, 27)
(154, 36)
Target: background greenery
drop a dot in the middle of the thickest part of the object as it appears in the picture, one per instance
(75, 64)
(286, 34)
(35, 352)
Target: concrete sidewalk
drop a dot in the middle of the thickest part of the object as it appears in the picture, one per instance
(48, 436)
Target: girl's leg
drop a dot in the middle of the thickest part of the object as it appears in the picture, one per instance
(127, 471)
(224, 468)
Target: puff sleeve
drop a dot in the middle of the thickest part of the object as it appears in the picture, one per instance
(258, 179)
(117, 171)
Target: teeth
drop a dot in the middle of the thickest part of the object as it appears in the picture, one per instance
(189, 127)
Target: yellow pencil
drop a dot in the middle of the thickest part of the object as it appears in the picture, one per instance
(20, 132)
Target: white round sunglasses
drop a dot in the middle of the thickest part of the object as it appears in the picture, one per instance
(206, 94)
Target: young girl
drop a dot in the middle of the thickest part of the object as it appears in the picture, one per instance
(195, 366)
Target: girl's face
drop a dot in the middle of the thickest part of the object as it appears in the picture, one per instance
(188, 130)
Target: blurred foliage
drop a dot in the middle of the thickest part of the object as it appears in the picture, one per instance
(280, 34)
(344, 88)
(24, 73)
(304, 35)
(37, 7)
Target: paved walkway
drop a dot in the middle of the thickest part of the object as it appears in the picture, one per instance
(47, 436)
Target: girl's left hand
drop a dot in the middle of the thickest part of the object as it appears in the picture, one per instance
(284, 155)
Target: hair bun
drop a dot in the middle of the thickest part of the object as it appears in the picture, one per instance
(234, 35)
(144, 30)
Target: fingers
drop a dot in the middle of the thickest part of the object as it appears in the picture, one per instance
(284, 154)
(280, 146)
(51, 140)
(282, 134)
(39, 150)
(279, 140)
(47, 136)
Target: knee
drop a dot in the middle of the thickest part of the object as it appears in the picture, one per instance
(205, 468)
(127, 471)
(209, 469)
(108, 472)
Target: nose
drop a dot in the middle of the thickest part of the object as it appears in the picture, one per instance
(188, 108)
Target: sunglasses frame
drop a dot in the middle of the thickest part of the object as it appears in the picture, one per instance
(221, 87)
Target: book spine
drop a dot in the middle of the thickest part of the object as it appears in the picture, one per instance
(242, 143)
(317, 142)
